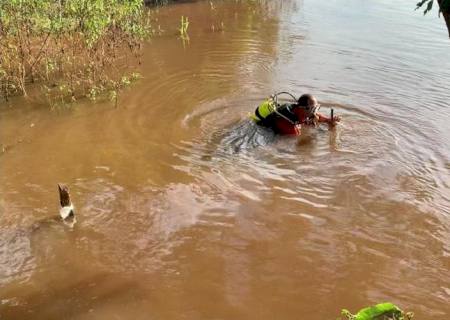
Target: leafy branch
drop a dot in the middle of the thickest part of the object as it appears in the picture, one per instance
(444, 9)
(72, 49)
(444, 5)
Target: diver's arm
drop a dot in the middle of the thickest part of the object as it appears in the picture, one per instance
(323, 118)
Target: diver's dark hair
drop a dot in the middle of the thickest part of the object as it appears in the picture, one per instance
(305, 100)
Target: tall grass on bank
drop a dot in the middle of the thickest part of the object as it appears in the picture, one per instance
(69, 49)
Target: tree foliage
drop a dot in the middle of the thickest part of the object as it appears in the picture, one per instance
(444, 5)
(444, 9)
(70, 48)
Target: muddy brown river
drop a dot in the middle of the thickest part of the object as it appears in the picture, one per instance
(186, 210)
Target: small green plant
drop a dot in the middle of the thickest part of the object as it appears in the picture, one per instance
(115, 86)
(184, 25)
(382, 311)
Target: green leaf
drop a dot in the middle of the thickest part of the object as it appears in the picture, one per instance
(379, 311)
(429, 7)
(113, 95)
(421, 3)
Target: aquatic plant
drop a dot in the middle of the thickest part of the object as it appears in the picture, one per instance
(382, 311)
(70, 49)
(184, 25)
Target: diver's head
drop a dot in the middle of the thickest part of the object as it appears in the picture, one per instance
(308, 102)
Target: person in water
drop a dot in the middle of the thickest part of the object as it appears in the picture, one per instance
(287, 119)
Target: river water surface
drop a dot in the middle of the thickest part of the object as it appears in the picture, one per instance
(187, 211)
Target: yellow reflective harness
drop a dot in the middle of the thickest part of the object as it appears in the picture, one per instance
(263, 110)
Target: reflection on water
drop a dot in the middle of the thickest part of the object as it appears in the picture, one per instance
(188, 210)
